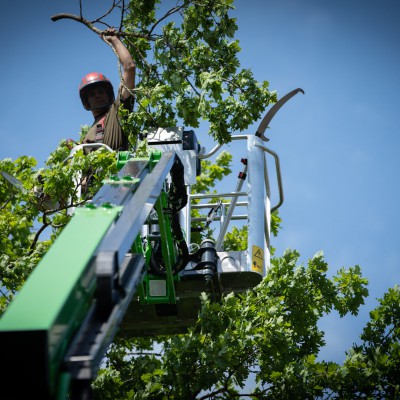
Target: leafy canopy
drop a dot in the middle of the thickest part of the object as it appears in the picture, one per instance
(189, 69)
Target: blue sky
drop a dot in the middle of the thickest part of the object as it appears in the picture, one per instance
(338, 144)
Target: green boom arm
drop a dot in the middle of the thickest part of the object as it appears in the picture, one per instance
(58, 328)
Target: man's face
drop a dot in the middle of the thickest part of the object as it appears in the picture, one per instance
(97, 97)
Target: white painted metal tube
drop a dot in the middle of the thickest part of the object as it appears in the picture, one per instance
(258, 253)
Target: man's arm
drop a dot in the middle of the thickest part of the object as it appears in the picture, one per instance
(128, 65)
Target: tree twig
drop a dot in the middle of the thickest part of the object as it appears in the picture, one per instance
(121, 23)
(105, 15)
(170, 12)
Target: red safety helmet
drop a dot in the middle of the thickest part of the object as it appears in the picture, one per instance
(95, 78)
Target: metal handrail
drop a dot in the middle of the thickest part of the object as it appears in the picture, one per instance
(225, 220)
(278, 174)
(87, 145)
(216, 195)
(209, 205)
(79, 175)
(218, 146)
(218, 218)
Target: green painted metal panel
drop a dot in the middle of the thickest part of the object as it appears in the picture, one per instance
(54, 300)
(49, 288)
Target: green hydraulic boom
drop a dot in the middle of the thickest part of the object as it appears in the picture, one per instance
(55, 333)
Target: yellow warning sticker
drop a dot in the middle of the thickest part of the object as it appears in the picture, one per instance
(257, 259)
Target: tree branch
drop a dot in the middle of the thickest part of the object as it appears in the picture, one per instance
(38, 233)
(93, 28)
(77, 18)
(5, 204)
